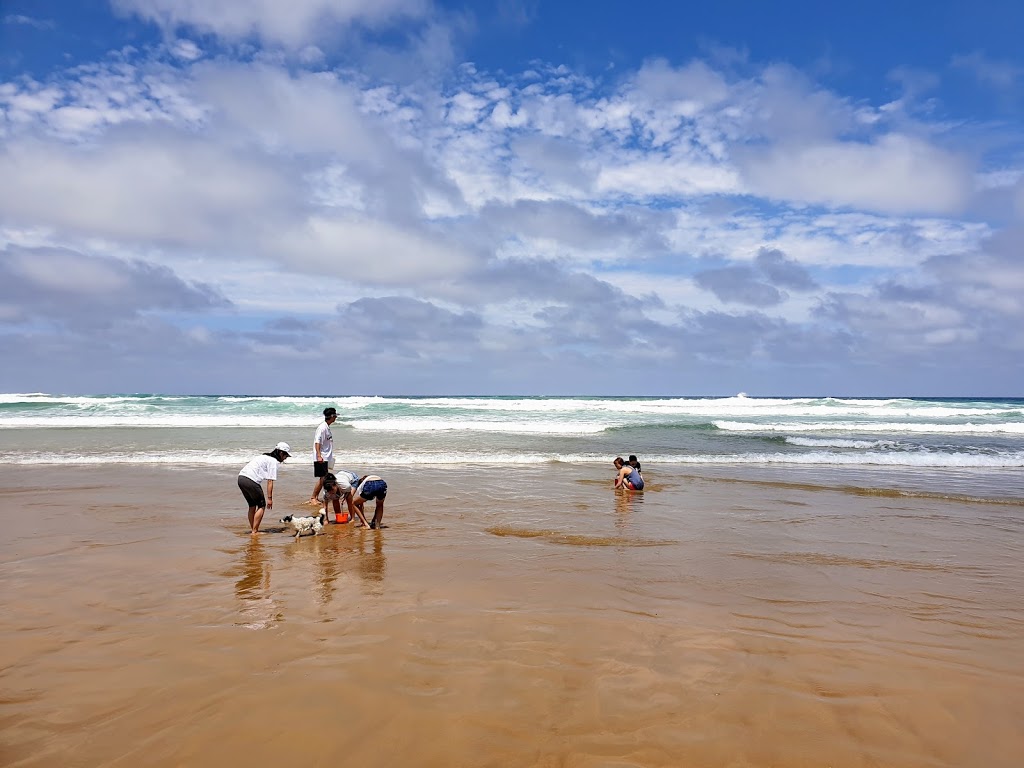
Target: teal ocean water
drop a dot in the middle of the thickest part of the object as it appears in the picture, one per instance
(970, 447)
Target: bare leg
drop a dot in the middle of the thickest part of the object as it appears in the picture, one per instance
(255, 518)
(252, 513)
(378, 514)
(315, 498)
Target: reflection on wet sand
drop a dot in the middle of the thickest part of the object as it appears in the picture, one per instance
(343, 550)
(624, 508)
(371, 563)
(626, 503)
(325, 560)
(252, 589)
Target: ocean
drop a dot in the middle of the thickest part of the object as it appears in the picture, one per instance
(969, 447)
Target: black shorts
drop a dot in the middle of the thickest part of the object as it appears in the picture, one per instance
(252, 491)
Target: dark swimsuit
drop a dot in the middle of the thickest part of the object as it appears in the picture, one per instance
(634, 480)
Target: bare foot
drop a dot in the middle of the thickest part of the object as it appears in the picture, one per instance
(313, 501)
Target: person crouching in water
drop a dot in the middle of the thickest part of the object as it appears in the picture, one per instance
(255, 472)
(355, 491)
(628, 476)
(366, 488)
(334, 494)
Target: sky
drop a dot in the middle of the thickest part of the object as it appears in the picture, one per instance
(422, 197)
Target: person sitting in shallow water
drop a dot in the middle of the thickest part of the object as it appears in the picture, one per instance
(628, 476)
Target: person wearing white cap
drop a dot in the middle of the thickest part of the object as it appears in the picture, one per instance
(255, 472)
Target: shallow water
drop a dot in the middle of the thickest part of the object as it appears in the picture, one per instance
(525, 616)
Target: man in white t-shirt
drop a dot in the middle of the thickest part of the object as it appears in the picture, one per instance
(323, 449)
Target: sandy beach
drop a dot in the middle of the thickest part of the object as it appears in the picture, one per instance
(507, 619)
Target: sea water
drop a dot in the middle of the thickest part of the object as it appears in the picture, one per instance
(970, 447)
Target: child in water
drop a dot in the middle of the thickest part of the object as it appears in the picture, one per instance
(628, 476)
(333, 496)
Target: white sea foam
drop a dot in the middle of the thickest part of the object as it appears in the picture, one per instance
(463, 425)
(920, 459)
(254, 421)
(171, 459)
(157, 420)
(315, 404)
(1014, 427)
(40, 398)
(711, 407)
(237, 410)
(811, 442)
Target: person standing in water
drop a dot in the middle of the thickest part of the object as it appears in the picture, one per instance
(323, 450)
(628, 476)
(255, 472)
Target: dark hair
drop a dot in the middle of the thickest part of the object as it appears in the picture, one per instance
(618, 460)
(330, 480)
(277, 454)
(633, 462)
(328, 412)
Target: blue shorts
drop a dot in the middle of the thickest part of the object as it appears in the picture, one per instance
(373, 489)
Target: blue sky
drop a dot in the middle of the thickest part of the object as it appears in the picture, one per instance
(415, 197)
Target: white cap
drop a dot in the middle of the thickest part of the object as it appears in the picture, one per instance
(284, 447)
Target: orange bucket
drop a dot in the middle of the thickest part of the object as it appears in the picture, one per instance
(341, 517)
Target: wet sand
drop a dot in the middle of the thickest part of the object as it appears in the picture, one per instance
(507, 617)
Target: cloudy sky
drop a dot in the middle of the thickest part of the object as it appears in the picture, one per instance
(511, 197)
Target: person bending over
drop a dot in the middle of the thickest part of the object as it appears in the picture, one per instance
(332, 498)
(255, 472)
(369, 488)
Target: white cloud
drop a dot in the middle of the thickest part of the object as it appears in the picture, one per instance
(532, 211)
(186, 50)
(686, 90)
(306, 112)
(160, 187)
(648, 176)
(362, 249)
(29, 21)
(1001, 75)
(896, 174)
(292, 24)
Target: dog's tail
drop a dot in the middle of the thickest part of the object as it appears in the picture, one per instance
(285, 519)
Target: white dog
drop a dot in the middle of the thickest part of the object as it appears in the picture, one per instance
(306, 526)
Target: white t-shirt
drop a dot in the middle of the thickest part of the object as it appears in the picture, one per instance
(346, 480)
(261, 468)
(325, 440)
